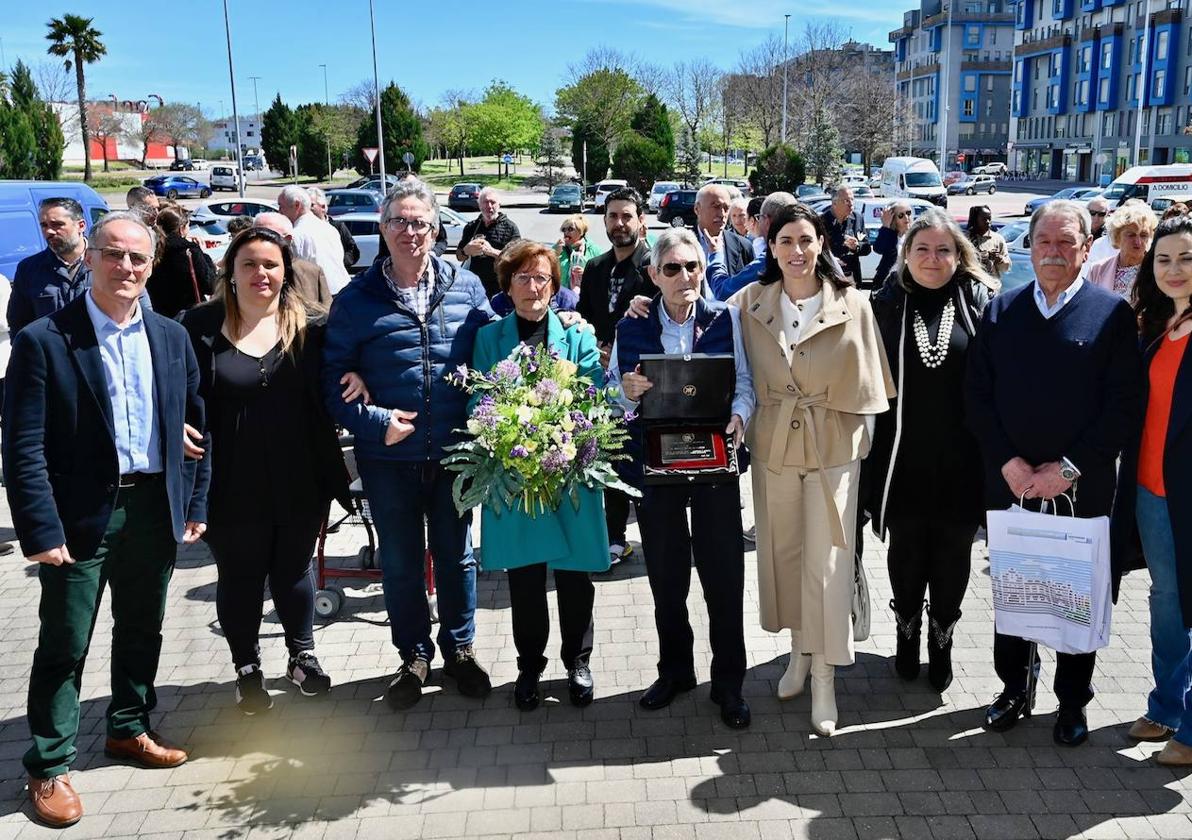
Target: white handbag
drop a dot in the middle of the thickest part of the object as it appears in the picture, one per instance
(860, 603)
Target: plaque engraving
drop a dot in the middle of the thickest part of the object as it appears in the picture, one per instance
(686, 446)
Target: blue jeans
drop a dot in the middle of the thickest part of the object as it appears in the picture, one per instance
(1171, 642)
(407, 497)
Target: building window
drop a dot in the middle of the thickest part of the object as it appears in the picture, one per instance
(1103, 92)
(1107, 55)
(970, 84)
(989, 84)
(1055, 64)
(1161, 45)
(1163, 122)
(1160, 84)
(1188, 80)
(968, 108)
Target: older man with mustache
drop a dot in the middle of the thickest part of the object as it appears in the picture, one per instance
(1053, 394)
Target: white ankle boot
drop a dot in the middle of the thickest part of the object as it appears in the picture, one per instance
(823, 696)
(792, 682)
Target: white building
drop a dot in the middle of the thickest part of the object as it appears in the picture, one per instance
(223, 134)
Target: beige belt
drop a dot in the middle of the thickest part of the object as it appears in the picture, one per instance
(788, 403)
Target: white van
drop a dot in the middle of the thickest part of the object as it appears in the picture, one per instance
(1150, 182)
(912, 177)
(225, 176)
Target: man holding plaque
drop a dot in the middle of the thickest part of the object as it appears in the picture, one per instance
(681, 323)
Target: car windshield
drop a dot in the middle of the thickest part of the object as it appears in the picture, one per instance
(1013, 230)
(665, 188)
(569, 189)
(922, 179)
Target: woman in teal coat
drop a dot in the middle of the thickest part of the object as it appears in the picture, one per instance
(571, 543)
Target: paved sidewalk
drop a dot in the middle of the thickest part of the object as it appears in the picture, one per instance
(905, 763)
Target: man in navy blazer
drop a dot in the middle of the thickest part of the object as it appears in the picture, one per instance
(102, 491)
(712, 204)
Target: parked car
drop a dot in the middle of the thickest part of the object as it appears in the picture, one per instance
(20, 231)
(182, 165)
(603, 188)
(862, 191)
(912, 177)
(229, 209)
(353, 201)
(199, 163)
(177, 186)
(995, 168)
(365, 229)
(678, 208)
(973, 184)
(740, 185)
(566, 198)
(225, 176)
(810, 192)
(657, 191)
(875, 184)
(373, 182)
(212, 236)
(1072, 193)
(464, 197)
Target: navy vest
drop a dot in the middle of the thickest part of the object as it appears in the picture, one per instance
(639, 336)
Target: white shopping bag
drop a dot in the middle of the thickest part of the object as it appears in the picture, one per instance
(1051, 578)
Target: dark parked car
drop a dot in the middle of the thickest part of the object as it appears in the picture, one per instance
(678, 208)
(464, 197)
(182, 166)
(566, 197)
(353, 201)
(177, 186)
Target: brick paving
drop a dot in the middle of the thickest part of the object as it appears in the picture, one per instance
(905, 763)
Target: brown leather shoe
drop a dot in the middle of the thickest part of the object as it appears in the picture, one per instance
(1145, 729)
(1175, 754)
(147, 750)
(54, 801)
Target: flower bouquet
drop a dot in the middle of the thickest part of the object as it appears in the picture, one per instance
(539, 432)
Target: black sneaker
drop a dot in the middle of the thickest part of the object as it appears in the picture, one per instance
(405, 689)
(305, 672)
(470, 678)
(251, 696)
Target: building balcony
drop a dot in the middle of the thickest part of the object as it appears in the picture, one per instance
(1055, 42)
(990, 66)
(897, 34)
(941, 19)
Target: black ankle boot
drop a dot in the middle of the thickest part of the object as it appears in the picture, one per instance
(906, 654)
(939, 650)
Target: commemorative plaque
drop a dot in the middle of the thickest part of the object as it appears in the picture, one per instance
(683, 418)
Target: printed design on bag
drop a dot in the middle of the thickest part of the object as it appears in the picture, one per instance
(1039, 584)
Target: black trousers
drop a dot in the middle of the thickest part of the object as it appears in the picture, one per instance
(1073, 671)
(246, 555)
(929, 555)
(574, 594)
(716, 542)
(616, 515)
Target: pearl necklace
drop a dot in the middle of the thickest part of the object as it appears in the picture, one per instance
(933, 355)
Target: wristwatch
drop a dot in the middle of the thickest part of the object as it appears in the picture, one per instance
(1068, 471)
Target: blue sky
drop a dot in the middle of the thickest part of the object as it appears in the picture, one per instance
(427, 47)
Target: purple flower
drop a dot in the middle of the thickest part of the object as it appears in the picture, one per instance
(547, 390)
(587, 452)
(554, 461)
(507, 369)
(591, 391)
(519, 451)
(565, 438)
(524, 350)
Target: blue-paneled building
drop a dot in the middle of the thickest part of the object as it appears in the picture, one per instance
(974, 54)
(1079, 69)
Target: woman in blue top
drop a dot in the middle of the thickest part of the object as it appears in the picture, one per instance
(571, 543)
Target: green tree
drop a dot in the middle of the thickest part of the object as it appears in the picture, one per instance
(47, 131)
(641, 162)
(652, 122)
(402, 129)
(503, 121)
(450, 126)
(18, 144)
(22, 89)
(73, 38)
(598, 159)
(182, 124)
(603, 99)
(323, 129)
(688, 159)
(279, 131)
(821, 147)
(778, 168)
(550, 160)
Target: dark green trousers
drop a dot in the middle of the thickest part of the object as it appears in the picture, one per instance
(137, 558)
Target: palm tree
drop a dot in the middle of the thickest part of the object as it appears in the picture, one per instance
(73, 38)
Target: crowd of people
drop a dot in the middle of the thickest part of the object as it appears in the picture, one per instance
(153, 400)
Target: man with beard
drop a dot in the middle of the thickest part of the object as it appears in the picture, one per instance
(50, 279)
(611, 280)
(143, 202)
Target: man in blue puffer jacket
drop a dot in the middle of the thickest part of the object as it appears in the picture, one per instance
(402, 326)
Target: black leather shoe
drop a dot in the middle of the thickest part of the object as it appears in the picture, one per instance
(1071, 727)
(664, 689)
(525, 691)
(580, 685)
(734, 711)
(1006, 711)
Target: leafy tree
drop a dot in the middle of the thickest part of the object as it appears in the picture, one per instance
(22, 90)
(323, 129)
(402, 129)
(47, 132)
(821, 147)
(598, 159)
(778, 168)
(551, 162)
(641, 162)
(503, 121)
(182, 124)
(690, 163)
(652, 122)
(279, 131)
(18, 144)
(106, 127)
(604, 98)
(73, 38)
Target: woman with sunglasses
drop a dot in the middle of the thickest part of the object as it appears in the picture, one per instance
(574, 250)
(569, 543)
(274, 455)
(896, 218)
(820, 374)
(923, 477)
(1153, 507)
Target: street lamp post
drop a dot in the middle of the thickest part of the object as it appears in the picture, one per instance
(785, 60)
(945, 93)
(1142, 81)
(235, 113)
(372, 22)
(327, 102)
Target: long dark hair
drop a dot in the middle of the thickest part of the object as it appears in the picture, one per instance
(292, 309)
(1153, 308)
(825, 264)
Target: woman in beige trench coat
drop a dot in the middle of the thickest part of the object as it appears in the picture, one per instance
(820, 374)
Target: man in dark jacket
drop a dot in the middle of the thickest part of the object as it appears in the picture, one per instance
(402, 326)
(484, 237)
(847, 238)
(712, 204)
(1053, 395)
(48, 280)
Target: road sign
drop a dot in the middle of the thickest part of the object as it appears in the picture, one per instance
(370, 153)
(408, 157)
(506, 158)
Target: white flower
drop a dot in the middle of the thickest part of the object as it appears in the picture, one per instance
(568, 450)
(525, 414)
(474, 427)
(566, 397)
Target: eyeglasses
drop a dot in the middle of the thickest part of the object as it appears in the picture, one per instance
(117, 255)
(415, 226)
(1100, 213)
(903, 215)
(536, 279)
(568, 229)
(672, 268)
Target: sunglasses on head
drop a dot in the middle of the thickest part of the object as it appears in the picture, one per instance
(670, 269)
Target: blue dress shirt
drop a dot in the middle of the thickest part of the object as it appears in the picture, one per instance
(1065, 296)
(679, 339)
(128, 369)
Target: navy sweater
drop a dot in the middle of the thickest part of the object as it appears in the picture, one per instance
(1043, 389)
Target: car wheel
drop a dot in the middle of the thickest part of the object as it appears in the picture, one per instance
(204, 193)
(970, 191)
(677, 222)
(171, 194)
(992, 190)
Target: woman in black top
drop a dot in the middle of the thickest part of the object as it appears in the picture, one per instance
(276, 462)
(923, 476)
(184, 275)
